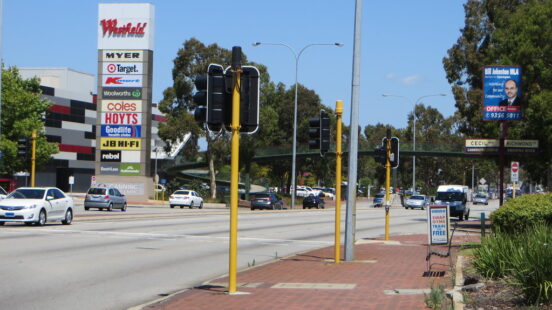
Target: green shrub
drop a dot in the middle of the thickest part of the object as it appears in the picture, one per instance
(518, 214)
(523, 258)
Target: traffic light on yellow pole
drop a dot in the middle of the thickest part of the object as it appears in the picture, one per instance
(33, 157)
(236, 71)
(338, 155)
(387, 181)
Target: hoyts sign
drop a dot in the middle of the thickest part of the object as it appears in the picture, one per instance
(112, 27)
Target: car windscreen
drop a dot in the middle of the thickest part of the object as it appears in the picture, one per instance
(182, 193)
(96, 191)
(30, 193)
(480, 196)
(450, 196)
(380, 195)
(417, 197)
(261, 196)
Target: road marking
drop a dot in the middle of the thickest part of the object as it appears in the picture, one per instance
(163, 236)
(407, 291)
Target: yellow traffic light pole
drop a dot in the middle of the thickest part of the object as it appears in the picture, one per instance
(338, 154)
(33, 157)
(236, 71)
(387, 184)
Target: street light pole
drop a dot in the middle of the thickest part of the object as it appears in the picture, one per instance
(294, 146)
(414, 133)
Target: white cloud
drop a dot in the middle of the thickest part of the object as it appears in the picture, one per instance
(411, 79)
(390, 76)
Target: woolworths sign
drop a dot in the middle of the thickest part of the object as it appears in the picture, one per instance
(129, 169)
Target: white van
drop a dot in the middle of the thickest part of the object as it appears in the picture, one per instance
(456, 197)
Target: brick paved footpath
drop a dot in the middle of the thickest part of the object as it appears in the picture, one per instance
(380, 270)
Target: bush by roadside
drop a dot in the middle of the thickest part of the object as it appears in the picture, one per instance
(520, 213)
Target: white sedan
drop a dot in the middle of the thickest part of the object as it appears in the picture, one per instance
(36, 205)
(185, 198)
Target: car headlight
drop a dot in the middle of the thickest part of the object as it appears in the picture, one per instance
(33, 206)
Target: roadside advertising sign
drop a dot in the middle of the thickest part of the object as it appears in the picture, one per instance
(502, 93)
(121, 131)
(122, 93)
(122, 81)
(112, 105)
(438, 224)
(122, 68)
(122, 55)
(120, 144)
(121, 118)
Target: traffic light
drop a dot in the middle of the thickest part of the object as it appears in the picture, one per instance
(380, 155)
(314, 133)
(22, 147)
(200, 99)
(324, 133)
(249, 99)
(394, 154)
(210, 98)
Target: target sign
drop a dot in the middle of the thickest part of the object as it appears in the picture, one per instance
(111, 68)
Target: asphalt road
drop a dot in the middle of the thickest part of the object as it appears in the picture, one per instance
(116, 260)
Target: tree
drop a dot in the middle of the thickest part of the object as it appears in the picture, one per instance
(513, 32)
(23, 111)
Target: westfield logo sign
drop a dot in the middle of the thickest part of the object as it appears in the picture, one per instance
(109, 26)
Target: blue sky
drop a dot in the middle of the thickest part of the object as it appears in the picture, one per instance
(403, 43)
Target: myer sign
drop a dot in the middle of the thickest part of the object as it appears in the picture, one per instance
(125, 26)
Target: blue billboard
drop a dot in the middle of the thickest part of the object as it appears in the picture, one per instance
(502, 93)
(122, 131)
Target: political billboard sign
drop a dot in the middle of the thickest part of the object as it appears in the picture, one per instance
(502, 98)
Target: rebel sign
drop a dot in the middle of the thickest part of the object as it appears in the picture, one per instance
(122, 118)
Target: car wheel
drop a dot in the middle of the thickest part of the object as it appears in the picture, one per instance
(86, 208)
(68, 217)
(487, 204)
(252, 209)
(29, 223)
(201, 205)
(124, 207)
(2, 223)
(461, 217)
(181, 207)
(41, 218)
(172, 206)
(304, 207)
(110, 207)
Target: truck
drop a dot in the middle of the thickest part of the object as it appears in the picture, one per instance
(456, 197)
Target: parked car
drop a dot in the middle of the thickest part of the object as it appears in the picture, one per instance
(108, 198)
(36, 205)
(185, 198)
(313, 201)
(266, 201)
(379, 200)
(329, 192)
(417, 201)
(481, 198)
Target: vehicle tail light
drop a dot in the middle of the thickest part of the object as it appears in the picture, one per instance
(86, 196)
(106, 197)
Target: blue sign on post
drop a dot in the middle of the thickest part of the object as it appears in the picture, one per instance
(502, 93)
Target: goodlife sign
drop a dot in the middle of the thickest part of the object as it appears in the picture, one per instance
(123, 26)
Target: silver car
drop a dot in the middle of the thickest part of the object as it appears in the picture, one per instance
(108, 198)
(416, 201)
(481, 198)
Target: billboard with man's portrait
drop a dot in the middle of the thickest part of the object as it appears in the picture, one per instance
(502, 93)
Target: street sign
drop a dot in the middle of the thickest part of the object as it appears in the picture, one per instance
(514, 170)
(482, 181)
(491, 146)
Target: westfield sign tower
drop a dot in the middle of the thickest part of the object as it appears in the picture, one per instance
(123, 129)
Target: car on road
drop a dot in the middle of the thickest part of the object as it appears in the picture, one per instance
(37, 205)
(379, 200)
(185, 198)
(329, 192)
(416, 201)
(269, 201)
(481, 198)
(313, 201)
(107, 198)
